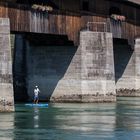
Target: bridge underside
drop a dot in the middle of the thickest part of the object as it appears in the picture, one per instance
(39, 55)
(54, 64)
(66, 73)
(25, 19)
(6, 85)
(57, 67)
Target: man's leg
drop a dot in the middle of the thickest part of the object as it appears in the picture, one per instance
(37, 100)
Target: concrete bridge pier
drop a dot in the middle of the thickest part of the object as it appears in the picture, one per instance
(6, 83)
(90, 75)
(137, 66)
(97, 63)
(67, 73)
(128, 70)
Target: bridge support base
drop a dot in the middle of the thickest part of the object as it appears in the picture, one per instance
(6, 84)
(90, 75)
(128, 84)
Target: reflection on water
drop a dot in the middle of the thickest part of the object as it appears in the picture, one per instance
(115, 121)
(6, 126)
(129, 114)
(86, 118)
(36, 117)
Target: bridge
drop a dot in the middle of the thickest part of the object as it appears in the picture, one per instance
(25, 19)
(69, 75)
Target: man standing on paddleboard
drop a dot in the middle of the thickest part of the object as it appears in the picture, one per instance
(36, 94)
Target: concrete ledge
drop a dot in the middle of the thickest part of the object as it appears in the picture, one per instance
(123, 92)
(6, 105)
(6, 100)
(84, 98)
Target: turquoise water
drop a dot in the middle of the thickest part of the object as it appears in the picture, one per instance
(114, 121)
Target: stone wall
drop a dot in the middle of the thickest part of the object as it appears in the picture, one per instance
(6, 86)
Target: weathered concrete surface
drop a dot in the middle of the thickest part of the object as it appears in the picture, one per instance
(6, 86)
(127, 70)
(90, 75)
(137, 66)
(97, 66)
(124, 69)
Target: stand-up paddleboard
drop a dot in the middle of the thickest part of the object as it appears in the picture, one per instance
(36, 105)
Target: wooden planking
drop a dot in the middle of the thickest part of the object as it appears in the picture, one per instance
(25, 20)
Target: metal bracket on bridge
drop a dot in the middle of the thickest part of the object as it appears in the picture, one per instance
(97, 26)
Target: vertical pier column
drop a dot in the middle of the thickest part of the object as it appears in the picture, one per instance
(6, 83)
(90, 74)
(137, 66)
(97, 76)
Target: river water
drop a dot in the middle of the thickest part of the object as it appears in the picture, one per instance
(113, 121)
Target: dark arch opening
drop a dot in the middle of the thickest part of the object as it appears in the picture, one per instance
(114, 10)
(40, 59)
(122, 57)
